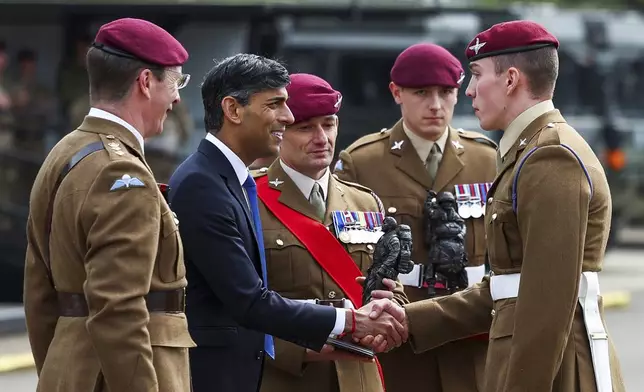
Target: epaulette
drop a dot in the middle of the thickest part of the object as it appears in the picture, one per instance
(114, 148)
(368, 139)
(381, 207)
(256, 173)
(477, 137)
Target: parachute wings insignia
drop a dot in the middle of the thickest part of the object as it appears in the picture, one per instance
(127, 182)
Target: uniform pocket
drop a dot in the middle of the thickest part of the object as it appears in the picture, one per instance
(286, 261)
(362, 255)
(170, 257)
(503, 238)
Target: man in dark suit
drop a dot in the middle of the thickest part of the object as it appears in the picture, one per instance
(231, 314)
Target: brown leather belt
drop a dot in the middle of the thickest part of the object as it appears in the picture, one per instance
(171, 301)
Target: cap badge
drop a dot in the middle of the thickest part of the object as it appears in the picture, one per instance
(476, 47)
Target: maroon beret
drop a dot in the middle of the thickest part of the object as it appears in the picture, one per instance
(510, 37)
(424, 65)
(142, 40)
(311, 96)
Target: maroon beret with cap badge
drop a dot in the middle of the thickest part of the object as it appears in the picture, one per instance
(141, 40)
(510, 37)
(310, 96)
(424, 65)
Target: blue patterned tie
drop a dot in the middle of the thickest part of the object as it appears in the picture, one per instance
(251, 191)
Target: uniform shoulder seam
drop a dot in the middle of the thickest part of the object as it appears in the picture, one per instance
(477, 137)
(368, 139)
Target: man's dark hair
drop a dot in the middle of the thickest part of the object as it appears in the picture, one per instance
(240, 77)
(541, 66)
(111, 76)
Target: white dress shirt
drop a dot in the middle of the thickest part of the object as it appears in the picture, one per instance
(99, 113)
(305, 183)
(423, 146)
(242, 173)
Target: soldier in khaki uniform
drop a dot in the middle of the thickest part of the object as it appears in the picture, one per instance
(421, 152)
(547, 222)
(302, 176)
(104, 274)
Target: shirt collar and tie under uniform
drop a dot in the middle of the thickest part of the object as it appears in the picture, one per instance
(519, 124)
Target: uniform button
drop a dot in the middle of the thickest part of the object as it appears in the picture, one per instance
(260, 355)
(109, 137)
(494, 216)
(489, 201)
(550, 125)
(370, 247)
(391, 210)
(383, 130)
(493, 312)
(331, 294)
(279, 242)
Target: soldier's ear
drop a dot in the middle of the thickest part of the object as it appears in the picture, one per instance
(395, 92)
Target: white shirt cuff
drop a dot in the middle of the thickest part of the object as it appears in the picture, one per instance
(340, 320)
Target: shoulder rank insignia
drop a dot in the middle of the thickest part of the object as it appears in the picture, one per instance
(127, 182)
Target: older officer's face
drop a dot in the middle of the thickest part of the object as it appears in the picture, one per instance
(308, 146)
(488, 94)
(162, 95)
(427, 111)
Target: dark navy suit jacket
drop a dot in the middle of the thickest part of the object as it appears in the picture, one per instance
(228, 311)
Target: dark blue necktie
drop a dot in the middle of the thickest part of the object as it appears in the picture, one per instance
(251, 191)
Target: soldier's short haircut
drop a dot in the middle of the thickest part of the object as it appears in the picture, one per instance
(541, 66)
(111, 77)
(240, 77)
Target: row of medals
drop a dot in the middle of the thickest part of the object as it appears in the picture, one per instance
(470, 207)
(359, 235)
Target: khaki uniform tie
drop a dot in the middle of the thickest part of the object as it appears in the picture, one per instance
(433, 161)
(317, 201)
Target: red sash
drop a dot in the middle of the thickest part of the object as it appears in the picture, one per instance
(320, 242)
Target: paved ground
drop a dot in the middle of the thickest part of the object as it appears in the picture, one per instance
(622, 281)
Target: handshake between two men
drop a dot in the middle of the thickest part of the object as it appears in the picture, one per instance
(379, 325)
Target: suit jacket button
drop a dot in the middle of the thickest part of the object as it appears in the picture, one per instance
(331, 294)
(260, 355)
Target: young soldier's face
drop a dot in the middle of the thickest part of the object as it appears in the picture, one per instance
(426, 111)
(488, 94)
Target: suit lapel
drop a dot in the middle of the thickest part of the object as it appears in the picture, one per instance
(290, 194)
(222, 166)
(451, 164)
(406, 157)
